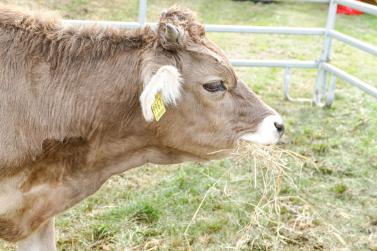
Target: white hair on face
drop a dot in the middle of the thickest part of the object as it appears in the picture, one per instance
(167, 81)
(266, 133)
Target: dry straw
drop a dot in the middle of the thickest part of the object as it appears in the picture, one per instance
(277, 219)
(271, 166)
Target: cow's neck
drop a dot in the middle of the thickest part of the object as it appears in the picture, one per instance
(76, 168)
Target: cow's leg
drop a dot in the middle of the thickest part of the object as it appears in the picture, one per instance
(42, 239)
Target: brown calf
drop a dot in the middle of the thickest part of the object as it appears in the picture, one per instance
(78, 105)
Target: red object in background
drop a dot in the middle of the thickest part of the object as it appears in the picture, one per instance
(347, 10)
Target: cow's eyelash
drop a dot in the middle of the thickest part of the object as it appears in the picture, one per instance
(215, 86)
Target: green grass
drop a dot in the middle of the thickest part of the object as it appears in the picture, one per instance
(327, 203)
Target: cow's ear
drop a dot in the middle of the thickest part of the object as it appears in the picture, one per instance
(166, 82)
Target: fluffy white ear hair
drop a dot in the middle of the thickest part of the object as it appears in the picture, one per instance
(167, 81)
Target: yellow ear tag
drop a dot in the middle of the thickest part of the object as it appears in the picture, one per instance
(158, 107)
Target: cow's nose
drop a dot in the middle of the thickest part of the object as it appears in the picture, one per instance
(279, 127)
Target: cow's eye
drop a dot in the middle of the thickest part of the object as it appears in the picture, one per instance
(215, 86)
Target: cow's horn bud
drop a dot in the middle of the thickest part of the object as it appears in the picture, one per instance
(171, 33)
(163, 14)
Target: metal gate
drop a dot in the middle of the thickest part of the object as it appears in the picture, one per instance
(323, 93)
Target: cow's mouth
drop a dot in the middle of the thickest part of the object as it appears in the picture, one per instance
(269, 131)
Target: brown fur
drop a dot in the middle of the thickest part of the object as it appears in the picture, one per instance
(46, 37)
(71, 115)
(9, 231)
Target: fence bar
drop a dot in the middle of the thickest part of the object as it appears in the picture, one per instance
(142, 12)
(368, 8)
(275, 63)
(350, 79)
(210, 28)
(264, 30)
(354, 42)
(320, 83)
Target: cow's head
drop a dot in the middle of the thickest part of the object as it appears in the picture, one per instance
(207, 107)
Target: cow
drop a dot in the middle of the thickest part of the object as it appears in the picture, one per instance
(81, 104)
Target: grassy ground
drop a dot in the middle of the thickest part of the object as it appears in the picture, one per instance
(325, 202)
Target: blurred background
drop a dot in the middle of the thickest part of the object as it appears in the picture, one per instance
(319, 193)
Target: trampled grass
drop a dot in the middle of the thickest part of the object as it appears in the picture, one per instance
(317, 190)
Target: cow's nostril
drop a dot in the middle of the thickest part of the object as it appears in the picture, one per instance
(279, 127)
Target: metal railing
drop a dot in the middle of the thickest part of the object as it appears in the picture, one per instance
(324, 65)
(322, 90)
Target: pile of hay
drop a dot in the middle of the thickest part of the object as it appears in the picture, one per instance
(280, 218)
(270, 169)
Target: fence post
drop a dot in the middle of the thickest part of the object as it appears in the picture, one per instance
(142, 12)
(287, 79)
(320, 84)
(330, 96)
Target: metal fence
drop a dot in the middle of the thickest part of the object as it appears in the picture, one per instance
(323, 91)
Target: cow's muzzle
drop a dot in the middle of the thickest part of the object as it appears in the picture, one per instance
(269, 131)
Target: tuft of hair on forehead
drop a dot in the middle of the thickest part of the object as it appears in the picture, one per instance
(184, 18)
(194, 40)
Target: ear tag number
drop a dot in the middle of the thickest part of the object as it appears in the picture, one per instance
(158, 107)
